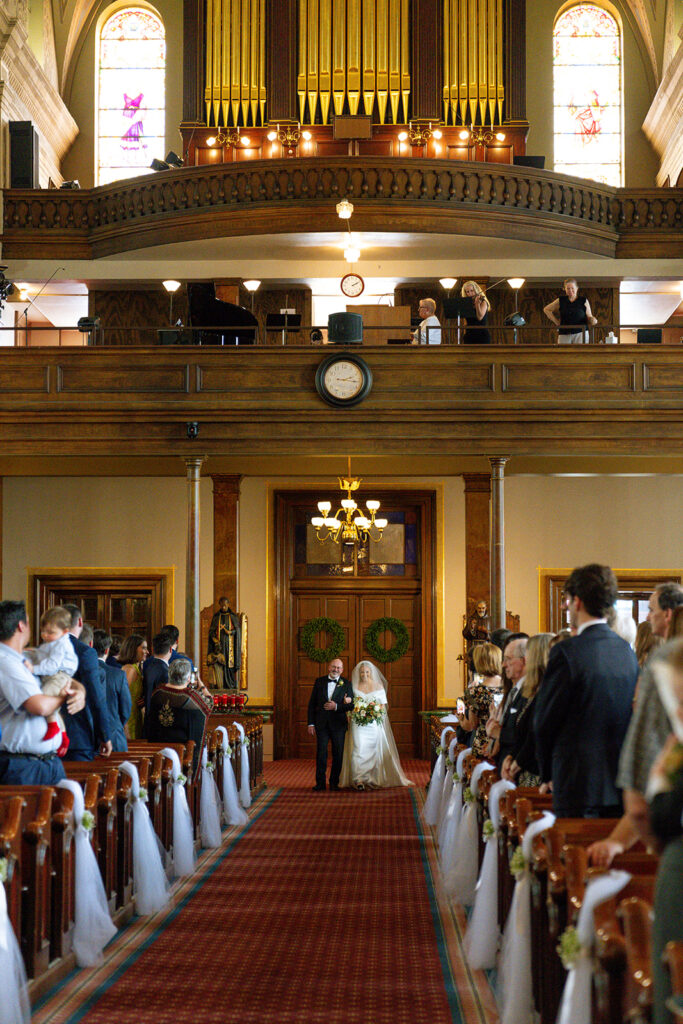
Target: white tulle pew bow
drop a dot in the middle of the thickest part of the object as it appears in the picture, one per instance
(433, 802)
(233, 814)
(454, 815)
(209, 806)
(461, 879)
(183, 834)
(14, 1002)
(245, 786)
(449, 783)
(150, 886)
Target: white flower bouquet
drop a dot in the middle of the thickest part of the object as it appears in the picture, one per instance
(367, 711)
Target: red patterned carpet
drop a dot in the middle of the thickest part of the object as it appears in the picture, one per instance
(323, 909)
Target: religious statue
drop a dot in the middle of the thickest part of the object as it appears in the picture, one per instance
(477, 627)
(227, 648)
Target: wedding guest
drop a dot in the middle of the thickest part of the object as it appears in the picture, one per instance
(55, 662)
(155, 669)
(480, 697)
(521, 765)
(177, 713)
(112, 658)
(429, 331)
(118, 694)
(571, 313)
(502, 725)
(646, 642)
(584, 704)
(88, 731)
(133, 653)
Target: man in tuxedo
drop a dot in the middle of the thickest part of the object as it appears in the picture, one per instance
(89, 731)
(331, 700)
(583, 706)
(155, 669)
(514, 666)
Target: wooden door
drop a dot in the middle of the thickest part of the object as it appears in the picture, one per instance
(355, 610)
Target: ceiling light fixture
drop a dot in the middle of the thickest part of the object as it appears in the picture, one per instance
(344, 209)
(348, 525)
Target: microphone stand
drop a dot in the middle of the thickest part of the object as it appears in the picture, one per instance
(37, 296)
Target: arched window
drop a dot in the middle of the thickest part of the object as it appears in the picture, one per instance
(588, 94)
(131, 105)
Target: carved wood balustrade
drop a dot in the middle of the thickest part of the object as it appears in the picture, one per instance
(392, 195)
(564, 400)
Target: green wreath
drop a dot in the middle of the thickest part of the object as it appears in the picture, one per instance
(309, 636)
(401, 639)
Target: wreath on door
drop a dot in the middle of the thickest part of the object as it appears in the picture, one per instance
(401, 639)
(309, 636)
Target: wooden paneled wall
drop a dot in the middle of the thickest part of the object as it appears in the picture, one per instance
(268, 300)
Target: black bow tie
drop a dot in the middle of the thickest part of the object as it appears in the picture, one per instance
(331, 680)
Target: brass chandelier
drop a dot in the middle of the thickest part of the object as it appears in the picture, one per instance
(348, 525)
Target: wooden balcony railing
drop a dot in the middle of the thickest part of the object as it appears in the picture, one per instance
(392, 194)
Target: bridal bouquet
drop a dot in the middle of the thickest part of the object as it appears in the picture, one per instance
(367, 711)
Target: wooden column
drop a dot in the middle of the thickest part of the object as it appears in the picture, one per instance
(226, 496)
(281, 66)
(477, 538)
(497, 541)
(192, 634)
(426, 83)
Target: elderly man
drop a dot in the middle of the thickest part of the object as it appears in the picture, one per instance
(584, 703)
(331, 699)
(514, 667)
(647, 734)
(23, 706)
(574, 314)
(429, 331)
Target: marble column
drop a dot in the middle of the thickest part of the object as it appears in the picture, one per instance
(226, 496)
(192, 633)
(498, 541)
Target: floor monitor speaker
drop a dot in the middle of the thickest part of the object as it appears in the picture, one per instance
(23, 155)
(345, 328)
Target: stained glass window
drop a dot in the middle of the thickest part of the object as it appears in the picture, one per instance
(588, 94)
(131, 109)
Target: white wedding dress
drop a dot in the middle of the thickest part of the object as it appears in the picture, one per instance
(371, 758)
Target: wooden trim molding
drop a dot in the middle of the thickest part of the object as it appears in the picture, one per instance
(273, 196)
(551, 586)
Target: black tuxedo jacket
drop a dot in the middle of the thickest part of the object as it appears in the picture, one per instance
(91, 726)
(583, 708)
(507, 740)
(316, 713)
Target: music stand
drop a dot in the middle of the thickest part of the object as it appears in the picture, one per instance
(454, 309)
(283, 322)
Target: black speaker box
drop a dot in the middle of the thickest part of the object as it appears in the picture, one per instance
(529, 161)
(345, 328)
(24, 154)
(649, 336)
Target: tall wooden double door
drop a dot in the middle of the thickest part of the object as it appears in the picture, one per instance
(355, 610)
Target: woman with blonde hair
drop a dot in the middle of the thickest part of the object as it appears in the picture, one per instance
(521, 765)
(479, 698)
(477, 331)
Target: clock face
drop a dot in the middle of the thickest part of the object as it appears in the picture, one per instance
(352, 285)
(343, 379)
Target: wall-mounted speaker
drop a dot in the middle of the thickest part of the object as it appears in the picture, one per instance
(529, 161)
(345, 328)
(24, 155)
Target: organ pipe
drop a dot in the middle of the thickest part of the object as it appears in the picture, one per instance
(473, 88)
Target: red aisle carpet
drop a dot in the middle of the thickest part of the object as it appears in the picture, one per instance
(324, 908)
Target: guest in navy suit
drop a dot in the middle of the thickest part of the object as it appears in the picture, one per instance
(584, 703)
(89, 731)
(155, 669)
(118, 693)
(331, 700)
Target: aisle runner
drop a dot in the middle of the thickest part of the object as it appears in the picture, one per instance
(323, 909)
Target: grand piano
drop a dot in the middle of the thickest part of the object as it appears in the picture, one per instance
(218, 322)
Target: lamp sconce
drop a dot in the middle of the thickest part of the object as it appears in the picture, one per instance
(481, 136)
(228, 137)
(420, 132)
(288, 133)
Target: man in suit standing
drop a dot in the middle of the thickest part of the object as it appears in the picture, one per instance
(514, 666)
(583, 706)
(155, 669)
(117, 690)
(331, 700)
(89, 731)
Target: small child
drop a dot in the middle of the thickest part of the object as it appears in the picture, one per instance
(55, 661)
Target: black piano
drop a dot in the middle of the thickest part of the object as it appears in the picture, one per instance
(217, 322)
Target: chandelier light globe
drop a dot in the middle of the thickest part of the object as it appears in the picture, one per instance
(348, 503)
(371, 505)
(344, 209)
(362, 522)
(348, 525)
(317, 521)
(381, 523)
(324, 507)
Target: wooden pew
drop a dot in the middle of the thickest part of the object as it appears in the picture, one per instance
(11, 813)
(615, 992)
(673, 958)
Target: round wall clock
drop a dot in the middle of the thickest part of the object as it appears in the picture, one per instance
(343, 381)
(352, 285)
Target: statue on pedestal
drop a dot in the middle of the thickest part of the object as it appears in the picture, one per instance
(477, 627)
(227, 653)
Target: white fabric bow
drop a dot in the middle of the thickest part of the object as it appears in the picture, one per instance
(515, 965)
(183, 833)
(14, 1002)
(209, 807)
(481, 939)
(233, 814)
(245, 786)
(93, 926)
(575, 1007)
(150, 885)
(447, 806)
(432, 805)
(461, 880)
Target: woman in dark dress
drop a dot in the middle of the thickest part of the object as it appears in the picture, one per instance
(477, 331)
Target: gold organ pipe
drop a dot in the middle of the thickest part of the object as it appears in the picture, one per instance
(208, 87)
(325, 56)
(394, 32)
(405, 56)
(473, 88)
(353, 23)
(500, 78)
(221, 76)
(262, 61)
(369, 48)
(482, 66)
(312, 71)
(245, 65)
(234, 53)
(303, 59)
(382, 58)
(338, 42)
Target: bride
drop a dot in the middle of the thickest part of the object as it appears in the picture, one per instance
(371, 759)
